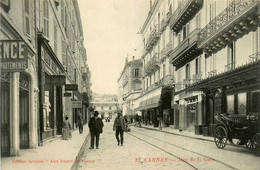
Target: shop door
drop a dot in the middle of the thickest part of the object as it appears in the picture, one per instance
(59, 110)
(5, 119)
(24, 118)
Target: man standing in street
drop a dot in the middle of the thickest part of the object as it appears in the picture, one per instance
(95, 127)
(119, 127)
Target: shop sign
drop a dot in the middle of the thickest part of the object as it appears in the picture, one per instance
(67, 94)
(13, 55)
(76, 104)
(71, 87)
(55, 80)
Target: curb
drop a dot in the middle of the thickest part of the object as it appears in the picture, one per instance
(80, 153)
(208, 140)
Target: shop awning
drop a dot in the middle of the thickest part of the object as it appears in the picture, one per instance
(152, 102)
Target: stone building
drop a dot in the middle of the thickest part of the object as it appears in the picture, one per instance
(105, 104)
(130, 85)
(43, 71)
(216, 56)
(155, 100)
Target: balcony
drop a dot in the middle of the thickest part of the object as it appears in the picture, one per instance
(230, 66)
(187, 50)
(197, 77)
(184, 13)
(254, 57)
(187, 82)
(152, 65)
(212, 73)
(153, 38)
(166, 51)
(167, 80)
(239, 18)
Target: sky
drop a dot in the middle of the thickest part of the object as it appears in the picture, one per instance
(110, 35)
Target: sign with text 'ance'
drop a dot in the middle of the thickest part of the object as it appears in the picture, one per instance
(13, 55)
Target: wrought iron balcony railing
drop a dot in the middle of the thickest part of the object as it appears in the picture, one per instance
(230, 66)
(197, 77)
(212, 73)
(152, 65)
(255, 57)
(153, 37)
(228, 14)
(167, 80)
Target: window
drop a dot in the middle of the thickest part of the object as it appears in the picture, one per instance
(46, 17)
(241, 103)
(230, 104)
(27, 16)
(109, 107)
(55, 40)
(164, 70)
(256, 101)
(102, 107)
(137, 72)
(198, 21)
(62, 13)
(187, 71)
(198, 65)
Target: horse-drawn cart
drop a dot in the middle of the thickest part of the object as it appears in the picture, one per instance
(243, 128)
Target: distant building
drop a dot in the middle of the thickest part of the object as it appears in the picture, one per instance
(130, 85)
(105, 104)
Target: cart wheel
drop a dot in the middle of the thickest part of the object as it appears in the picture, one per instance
(220, 137)
(256, 141)
(251, 145)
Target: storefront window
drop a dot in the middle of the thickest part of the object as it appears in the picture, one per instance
(241, 103)
(230, 104)
(256, 101)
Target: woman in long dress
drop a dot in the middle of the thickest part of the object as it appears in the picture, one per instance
(66, 134)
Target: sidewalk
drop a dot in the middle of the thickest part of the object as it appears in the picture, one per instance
(58, 154)
(173, 131)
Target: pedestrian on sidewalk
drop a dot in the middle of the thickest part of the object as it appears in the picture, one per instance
(119, 126)
(95, 128)
(80, 123)
(66, 127)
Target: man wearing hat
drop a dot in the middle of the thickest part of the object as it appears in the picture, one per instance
(95, 127)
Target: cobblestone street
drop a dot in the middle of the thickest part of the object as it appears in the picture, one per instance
(146, 149)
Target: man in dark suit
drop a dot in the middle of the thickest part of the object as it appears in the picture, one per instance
(95, 127)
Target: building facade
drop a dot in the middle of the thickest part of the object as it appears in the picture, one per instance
(130, 85)
(105, 104)
(158, 73)
(216, 56)
(44, 71)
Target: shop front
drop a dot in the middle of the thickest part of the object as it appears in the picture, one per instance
(51, 85)
(235, 92)
(18, 97)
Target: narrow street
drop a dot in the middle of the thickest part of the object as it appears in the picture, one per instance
(146, 149)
